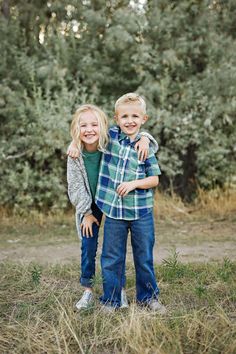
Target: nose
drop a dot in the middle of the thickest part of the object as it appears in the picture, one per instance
(89, 128)
(130, 119)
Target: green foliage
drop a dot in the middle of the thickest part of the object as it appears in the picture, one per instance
(226, 271)
(172, 269)
(36, 274)
(56, 55)
(200, 290)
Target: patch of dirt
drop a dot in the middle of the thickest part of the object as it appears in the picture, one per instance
(203, 252)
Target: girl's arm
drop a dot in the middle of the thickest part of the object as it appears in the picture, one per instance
(142, 146)
(79, 197)
(153, 143)
(77, 192)
(72, 150)
(87, 225)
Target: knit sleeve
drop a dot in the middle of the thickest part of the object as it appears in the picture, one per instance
(77, 191)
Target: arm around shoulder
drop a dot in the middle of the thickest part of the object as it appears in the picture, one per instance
(153, 143)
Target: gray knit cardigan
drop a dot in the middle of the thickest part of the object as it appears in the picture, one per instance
(78, 189)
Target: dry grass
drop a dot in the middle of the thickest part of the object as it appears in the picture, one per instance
(217, 203)
(214, 203)
(34, 217)
(38, 313)
(37, 302)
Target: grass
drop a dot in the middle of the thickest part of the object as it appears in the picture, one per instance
(38, 314)
(37, 299)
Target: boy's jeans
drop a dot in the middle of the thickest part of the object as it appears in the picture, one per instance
(89, 250)
(113, 258)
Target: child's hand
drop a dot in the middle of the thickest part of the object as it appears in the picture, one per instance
(126, 187)
(142, 147)
(87, 225)
(72, 150)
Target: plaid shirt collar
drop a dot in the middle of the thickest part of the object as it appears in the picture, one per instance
(123, 137)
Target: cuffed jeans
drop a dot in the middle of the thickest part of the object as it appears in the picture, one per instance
(114, 253)
(89, 247)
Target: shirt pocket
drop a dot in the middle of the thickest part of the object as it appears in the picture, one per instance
(138, 171)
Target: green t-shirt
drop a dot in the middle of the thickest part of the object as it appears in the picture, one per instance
(92, 164)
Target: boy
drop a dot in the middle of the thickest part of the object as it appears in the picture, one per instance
(125, 196)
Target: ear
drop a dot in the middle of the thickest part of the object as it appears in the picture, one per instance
(145, 118)
(116, 119)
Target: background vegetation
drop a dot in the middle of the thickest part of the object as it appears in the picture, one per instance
(56, 55)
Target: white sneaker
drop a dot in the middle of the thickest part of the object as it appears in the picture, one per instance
(123, 301)
(108, 308)
(86, 300)
(156, 306)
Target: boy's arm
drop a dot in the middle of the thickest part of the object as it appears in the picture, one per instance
(152, 171)
(144, 183)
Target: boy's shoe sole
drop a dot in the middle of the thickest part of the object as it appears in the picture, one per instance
(108, 309)
(155, 306)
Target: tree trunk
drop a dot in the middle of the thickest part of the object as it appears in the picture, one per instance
(6, 9)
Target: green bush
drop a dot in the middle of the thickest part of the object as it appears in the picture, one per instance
(54, 56)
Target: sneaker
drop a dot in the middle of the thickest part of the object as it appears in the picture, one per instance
(155, 306)
(86, 300)
(108, 308)
(123, 301)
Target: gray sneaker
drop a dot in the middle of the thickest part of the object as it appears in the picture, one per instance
(123, 301)
(108, 308)
(86, 300)
(155, 306)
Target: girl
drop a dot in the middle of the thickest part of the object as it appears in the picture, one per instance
(89, 133)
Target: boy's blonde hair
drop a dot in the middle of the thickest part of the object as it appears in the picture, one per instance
(102, 123)
(131, 97)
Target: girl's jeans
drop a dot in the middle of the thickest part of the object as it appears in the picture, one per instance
(113, 258)
(89, 250)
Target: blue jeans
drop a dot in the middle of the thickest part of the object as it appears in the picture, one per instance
(89, 247)
(113, 258)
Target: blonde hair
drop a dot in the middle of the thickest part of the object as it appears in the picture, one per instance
(131, 97)
(102, 123)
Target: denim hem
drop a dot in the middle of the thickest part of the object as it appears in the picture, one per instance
(114, 304)
(88, 283)
(146, 300)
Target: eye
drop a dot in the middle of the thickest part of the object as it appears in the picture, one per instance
(95, 124)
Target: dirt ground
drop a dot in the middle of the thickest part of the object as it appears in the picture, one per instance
(67, 253)
(200, 241)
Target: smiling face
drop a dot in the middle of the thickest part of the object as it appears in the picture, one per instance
(130, 117)
(89, 130)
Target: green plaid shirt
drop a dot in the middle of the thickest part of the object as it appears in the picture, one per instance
(120, 164)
